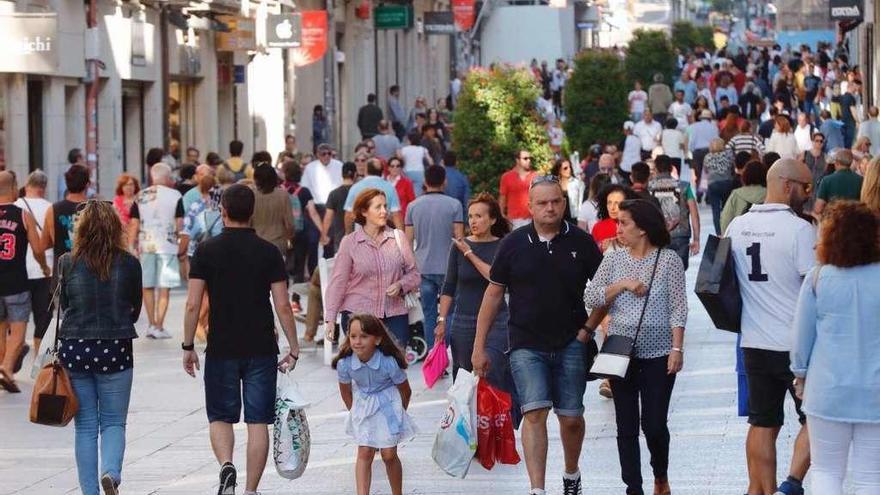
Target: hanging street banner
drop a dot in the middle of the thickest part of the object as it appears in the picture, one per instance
(314, 38)
(465, 14)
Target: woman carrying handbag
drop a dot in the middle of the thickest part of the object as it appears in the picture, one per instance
(101, 300)
(643, 287)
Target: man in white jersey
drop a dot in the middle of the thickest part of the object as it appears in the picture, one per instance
(773, 249)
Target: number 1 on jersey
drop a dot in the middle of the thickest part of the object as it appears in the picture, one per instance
(754, 251)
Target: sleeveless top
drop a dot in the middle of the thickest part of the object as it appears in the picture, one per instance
(13, 251)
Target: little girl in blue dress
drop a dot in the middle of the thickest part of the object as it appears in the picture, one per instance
(377, 403)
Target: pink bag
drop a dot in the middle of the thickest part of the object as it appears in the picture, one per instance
(435, 363)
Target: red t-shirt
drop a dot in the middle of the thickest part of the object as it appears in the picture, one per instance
(604, 229)
(516, 191)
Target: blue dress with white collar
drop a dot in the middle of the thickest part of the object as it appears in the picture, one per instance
(377, 418)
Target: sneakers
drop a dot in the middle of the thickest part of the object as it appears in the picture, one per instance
(227, 479)
(109, 485)
(790, 487)
(572, 486)
(157, 333)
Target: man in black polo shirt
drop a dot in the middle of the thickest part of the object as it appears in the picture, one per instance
(242, 354)
(545, 265)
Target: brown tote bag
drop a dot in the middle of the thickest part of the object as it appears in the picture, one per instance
(54, 402)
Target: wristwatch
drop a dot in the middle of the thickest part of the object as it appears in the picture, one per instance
(441, 319)
(187, 347)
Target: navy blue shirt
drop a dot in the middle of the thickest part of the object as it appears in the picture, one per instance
(457, 187)
(546, 282)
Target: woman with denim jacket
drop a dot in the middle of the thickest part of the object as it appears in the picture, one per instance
(101, 301)
(834, 355)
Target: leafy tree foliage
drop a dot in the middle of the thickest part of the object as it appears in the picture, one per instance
(595, 100)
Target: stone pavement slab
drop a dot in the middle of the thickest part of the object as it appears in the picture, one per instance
(168, 451)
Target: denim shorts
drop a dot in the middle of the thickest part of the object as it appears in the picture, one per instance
(160, 271)
(15, 308)
(227, 380)
(545, 379)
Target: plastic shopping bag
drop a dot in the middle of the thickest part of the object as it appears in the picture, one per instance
(456, 439)
(435, 363)
(495, 439)
(292, 441)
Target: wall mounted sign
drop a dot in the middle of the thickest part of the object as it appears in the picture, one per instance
(29, 43)
(284, 31)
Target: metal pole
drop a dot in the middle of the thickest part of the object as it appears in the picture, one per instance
(330, 77)
(93, 72)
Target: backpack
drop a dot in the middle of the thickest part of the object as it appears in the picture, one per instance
(298, 221)
(241, 173)
(671, 194)
(209, 227)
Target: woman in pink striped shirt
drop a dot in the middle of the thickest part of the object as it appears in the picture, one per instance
(373, 270)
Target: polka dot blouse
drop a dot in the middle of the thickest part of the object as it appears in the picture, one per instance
(667, 304)
(96, 356)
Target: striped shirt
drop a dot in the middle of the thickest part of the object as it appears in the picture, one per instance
(362, 272)
(746, 142)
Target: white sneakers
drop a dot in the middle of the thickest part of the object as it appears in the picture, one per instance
(157, 333)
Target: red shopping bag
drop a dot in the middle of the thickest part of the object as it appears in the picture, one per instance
(495, 439)
(435, 363)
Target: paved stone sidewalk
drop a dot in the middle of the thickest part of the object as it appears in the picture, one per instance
(168, 452)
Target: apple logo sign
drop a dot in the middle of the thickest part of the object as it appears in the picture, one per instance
(284, 30)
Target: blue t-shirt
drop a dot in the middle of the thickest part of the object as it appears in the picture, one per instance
(373, 182)
(457, 187)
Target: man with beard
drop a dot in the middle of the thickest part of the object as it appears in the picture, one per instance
(773, 248)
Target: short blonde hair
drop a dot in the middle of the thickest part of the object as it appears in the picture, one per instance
(716, 145)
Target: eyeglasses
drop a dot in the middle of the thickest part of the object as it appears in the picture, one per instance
(541, 179)
(808, 186)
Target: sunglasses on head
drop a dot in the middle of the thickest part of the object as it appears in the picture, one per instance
(542, 179)
(85, 204)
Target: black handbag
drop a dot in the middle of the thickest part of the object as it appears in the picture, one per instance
(617, 350)
(717, 286)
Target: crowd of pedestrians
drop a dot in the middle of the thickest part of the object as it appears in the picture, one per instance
(523, 286)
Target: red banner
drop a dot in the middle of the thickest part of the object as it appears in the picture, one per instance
(465, 14)
(314, 38)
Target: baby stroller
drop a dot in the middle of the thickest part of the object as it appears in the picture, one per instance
(417, 348)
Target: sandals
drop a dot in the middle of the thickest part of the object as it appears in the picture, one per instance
(8, 383)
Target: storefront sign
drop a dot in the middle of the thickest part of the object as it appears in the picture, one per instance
(439, 23)
(465, 13)
(847, 10)
(393, 16)
(240, 37)
(284, 31)
(314, 38)
(29, 43)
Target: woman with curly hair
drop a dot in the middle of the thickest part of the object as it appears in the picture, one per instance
(605, 231)
(833, 358)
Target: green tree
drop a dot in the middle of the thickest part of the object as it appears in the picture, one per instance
(595, 99)
(497, 115)
(686, 36)
(649, 53)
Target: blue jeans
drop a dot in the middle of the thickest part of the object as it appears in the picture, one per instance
(103, 407)
(544, 379)
(718, 192)
(430, 295)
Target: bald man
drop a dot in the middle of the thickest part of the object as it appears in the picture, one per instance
(773, 251)
(17, 230)
(193, 195)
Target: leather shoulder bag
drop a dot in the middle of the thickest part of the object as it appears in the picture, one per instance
(617, 350)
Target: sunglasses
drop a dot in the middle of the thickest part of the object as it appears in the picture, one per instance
(324, 153)
(542, 179)
(808, 186)
(85, 204)
(396, 165)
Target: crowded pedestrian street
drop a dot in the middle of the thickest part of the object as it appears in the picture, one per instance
(167, 452)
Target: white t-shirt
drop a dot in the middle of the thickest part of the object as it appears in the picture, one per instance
(803, 136)
(158, 213)
(637, 100)
(632, 152)
(772, 251)
(320, 179)
(681, 112)
(413, 158)
(588, 213)
(647, 134)
(38, 207)
(671, 141)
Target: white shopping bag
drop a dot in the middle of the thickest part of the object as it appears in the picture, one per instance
(292, 441)
(456, 441)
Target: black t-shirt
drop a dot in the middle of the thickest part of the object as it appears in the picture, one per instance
(336, 202)
(13, 251)
(135, 212)
(239, 269)
(847, 100)
(64, 212)
(546, 282)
